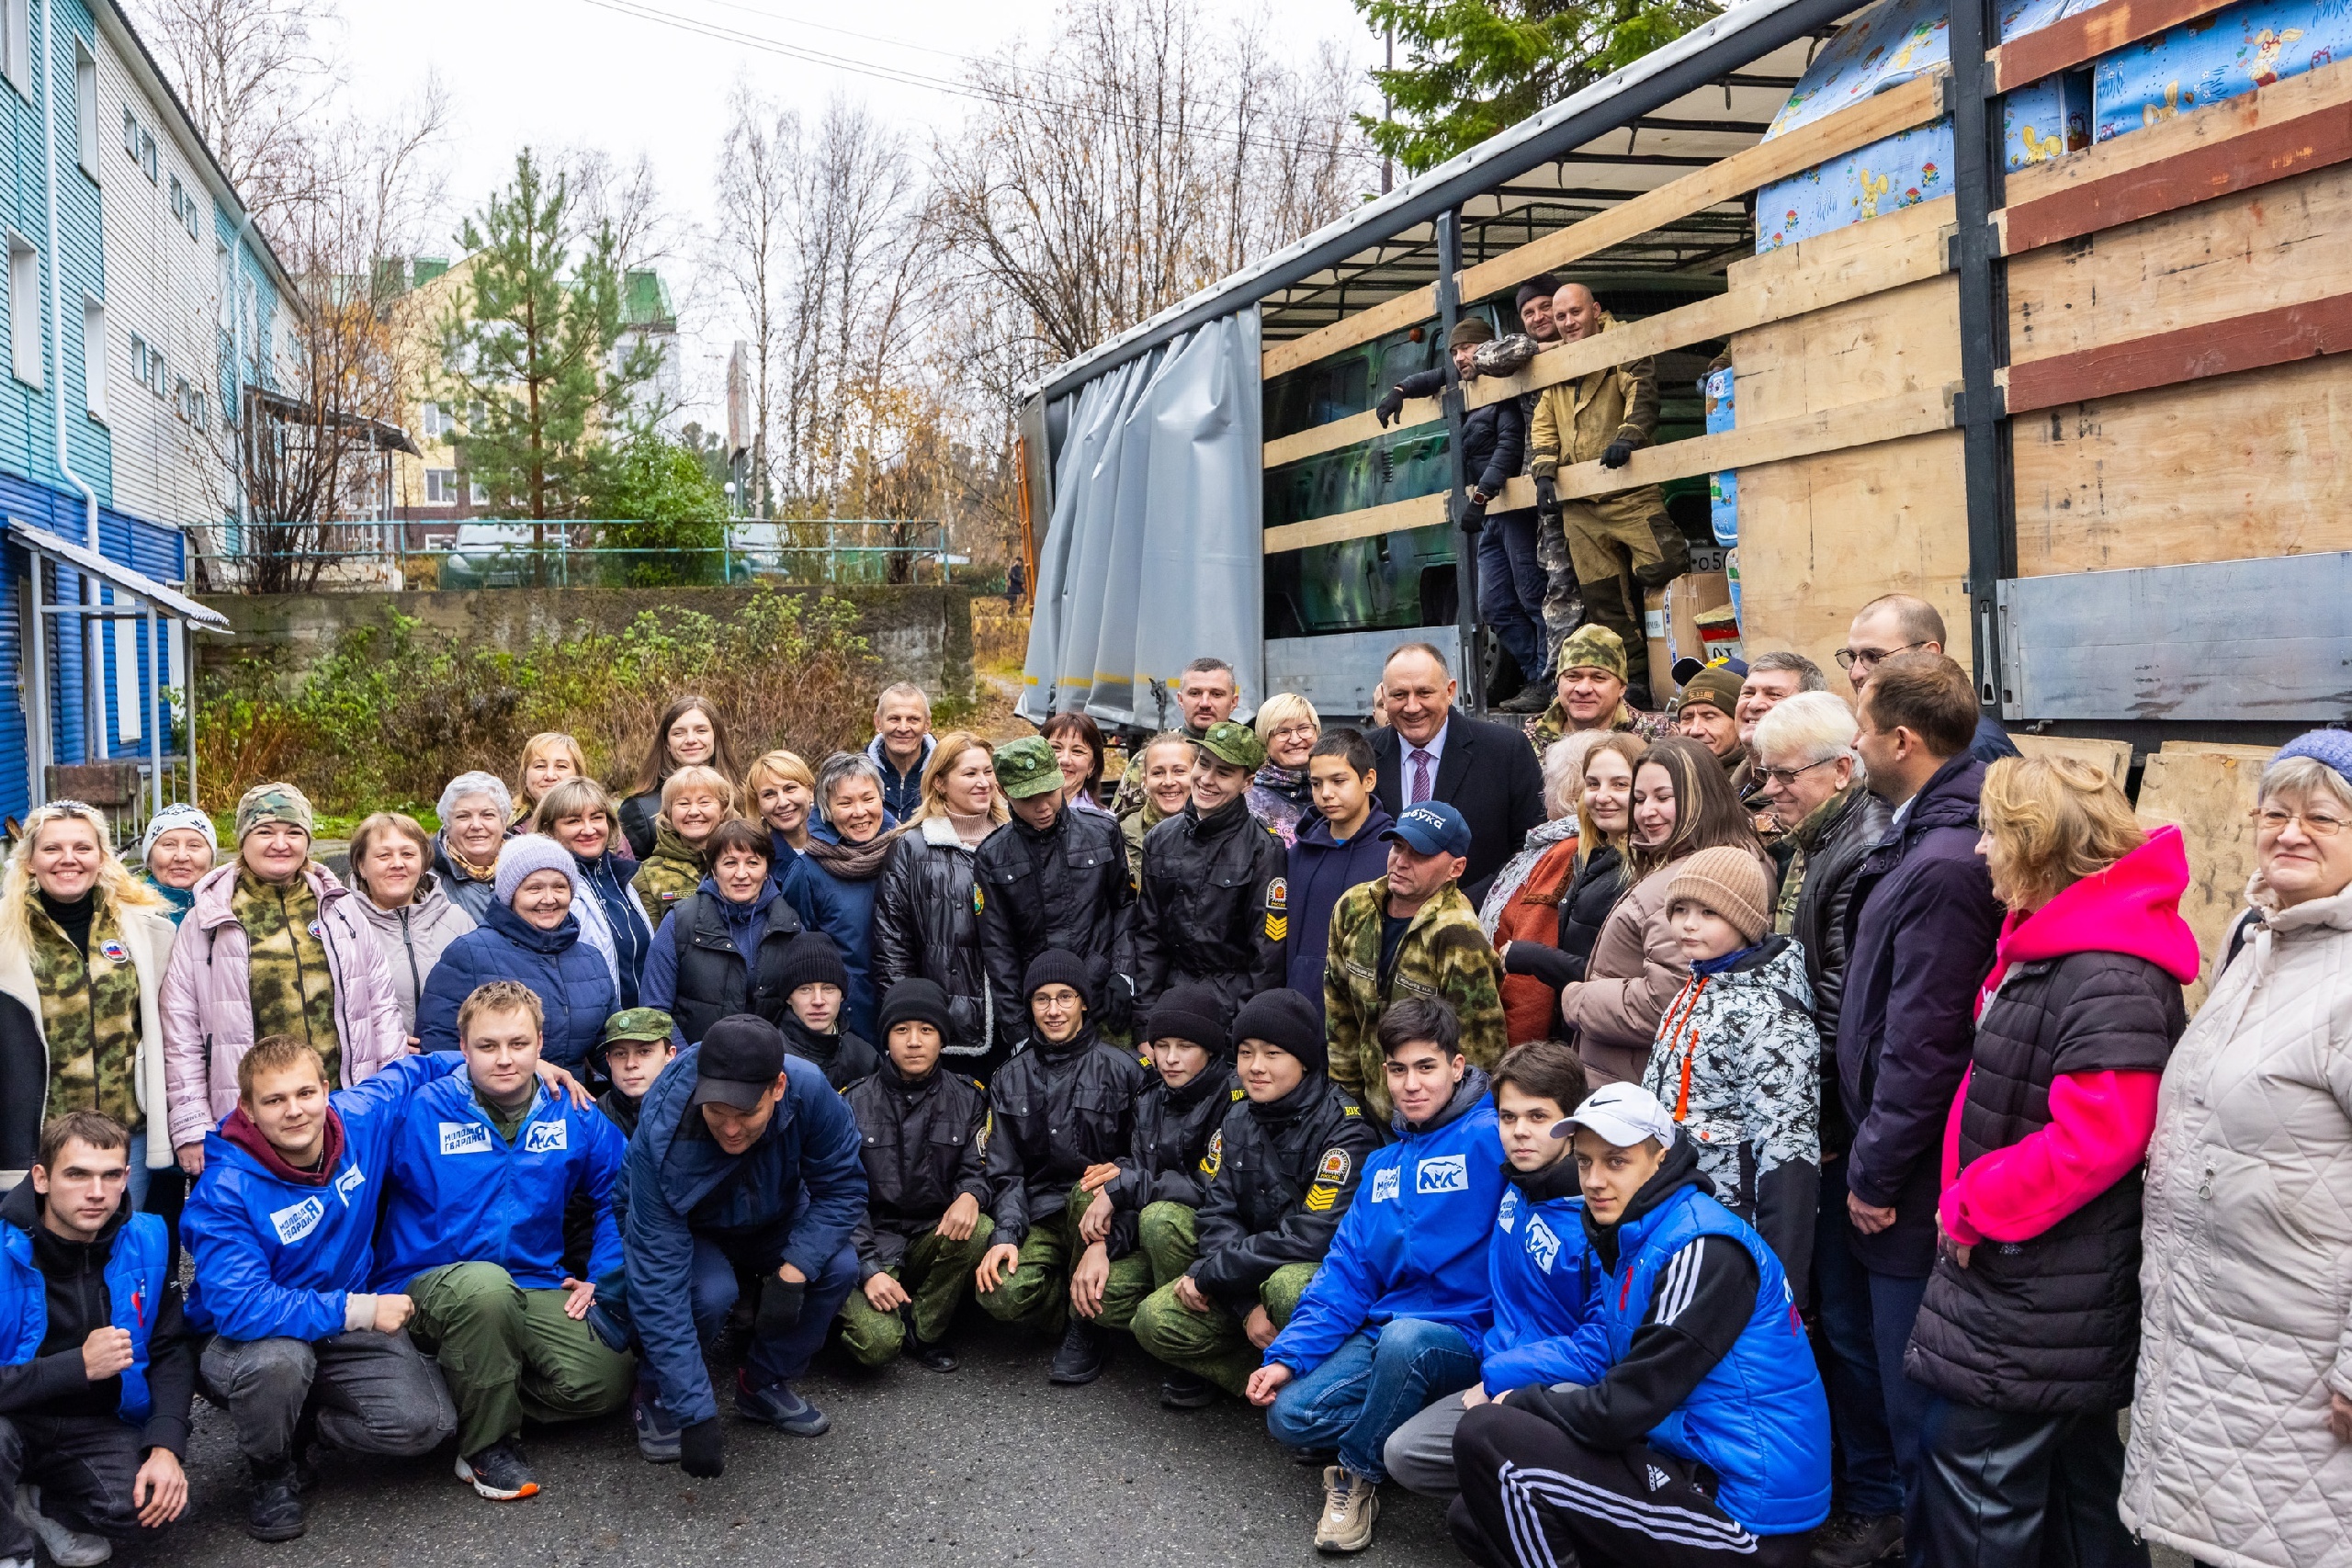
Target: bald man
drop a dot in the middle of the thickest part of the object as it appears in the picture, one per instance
(1616, 546)
(1898, 623)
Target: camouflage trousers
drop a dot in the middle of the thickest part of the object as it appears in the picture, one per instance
(1616, 547)
(1211, 1344)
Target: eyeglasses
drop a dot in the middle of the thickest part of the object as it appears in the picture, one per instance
(1785, 777)
(1849, 657)
(2274, 820)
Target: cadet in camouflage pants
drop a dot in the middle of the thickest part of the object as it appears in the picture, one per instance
(1036, 1292)
(1209, 1344)
(936, 1273)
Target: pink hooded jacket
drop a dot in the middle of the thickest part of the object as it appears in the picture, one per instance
(207, 1002)
(2099, 1122)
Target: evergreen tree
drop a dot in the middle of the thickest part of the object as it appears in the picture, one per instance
(528, 356)
(1471, 68)
(676, 511)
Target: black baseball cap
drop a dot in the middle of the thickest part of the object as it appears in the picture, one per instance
(743, 1055)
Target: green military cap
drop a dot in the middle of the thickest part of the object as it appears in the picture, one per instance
(1593, 648)
(1714, 685)
(267, 803)
(639, 1023)
(1027, 767)
(1235, 744)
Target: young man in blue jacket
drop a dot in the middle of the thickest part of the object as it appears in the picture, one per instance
(1539, 1269)
(744, 1159)
(1338, 847)
(281, 1231)
(1396, 1314)
(1686, 1425)
(96, 1368)
(484, 1163)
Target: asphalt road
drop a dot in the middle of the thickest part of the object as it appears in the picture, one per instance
(988, 1465)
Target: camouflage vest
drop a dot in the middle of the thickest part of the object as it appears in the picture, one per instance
(90, 1015)
(287, 980)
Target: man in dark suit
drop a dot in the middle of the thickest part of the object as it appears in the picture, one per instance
(1486, 771)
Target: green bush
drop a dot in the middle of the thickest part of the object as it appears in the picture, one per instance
(391, 713)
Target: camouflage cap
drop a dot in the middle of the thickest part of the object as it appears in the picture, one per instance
(1027, 767)
(638, 1023)
(272, 803)
(1593, 648)
(1713, 685)
(1236, 745)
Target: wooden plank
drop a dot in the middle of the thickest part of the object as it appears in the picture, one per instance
(2083, 38)
(2207, 796)
(2231, 469)
(2255, 138)
(1904, 340)
(1914, 102)
(2192, 354)
(1419, 512)
(2261, 754)
(2282, 245)
(1346, 431)
(2112, 757)
(1910, 246)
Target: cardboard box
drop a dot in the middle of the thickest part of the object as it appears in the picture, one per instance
(1672, 620)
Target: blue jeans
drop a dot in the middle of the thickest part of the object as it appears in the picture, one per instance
(785, 1355)
(1510, 588)
(1369, 1387)
(1866, 1482)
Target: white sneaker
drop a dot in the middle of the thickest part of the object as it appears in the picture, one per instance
(1351, 1503)
(67, 1548)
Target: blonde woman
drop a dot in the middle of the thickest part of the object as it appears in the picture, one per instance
(924, 924)
(1165, 766)
(1526, 901)
(84, 948)
(1287, 728)
(694, 801)
(583, 816)
(780, 789)
(549, 758)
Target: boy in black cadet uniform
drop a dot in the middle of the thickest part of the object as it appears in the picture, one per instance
(636, 1047)
(100, 1369)
(1052, 878)
(815, 981)
(1140, 1230)
(925, 1181)
(1063, 1108)
(1214, 906)
(1285, 1166)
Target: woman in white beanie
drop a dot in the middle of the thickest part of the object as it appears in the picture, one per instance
(179, 847)
(474, 810)
(532, 933)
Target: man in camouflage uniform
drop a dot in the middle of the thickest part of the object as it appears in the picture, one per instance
(291, 986)
(1590, 693)
(1411, 934)
(1613, 547)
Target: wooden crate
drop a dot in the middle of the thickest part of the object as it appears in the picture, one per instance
(2208, 795)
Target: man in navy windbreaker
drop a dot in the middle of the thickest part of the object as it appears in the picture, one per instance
(1337, 848)
(742, 1158)
(1395, 1315)
(485, 1163)
(1690, 1430)
(282, 1232)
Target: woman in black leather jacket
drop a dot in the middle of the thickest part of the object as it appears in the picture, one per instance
(925, 924)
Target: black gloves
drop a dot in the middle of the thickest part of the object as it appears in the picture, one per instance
(701, 1449)
(1547, 501)
(780, 1302)
(1118, 1003)
(1390, 408)
(1615, 458)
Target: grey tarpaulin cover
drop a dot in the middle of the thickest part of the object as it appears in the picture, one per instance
(1154, 551)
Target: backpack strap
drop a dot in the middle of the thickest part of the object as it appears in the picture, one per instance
(2238, 930)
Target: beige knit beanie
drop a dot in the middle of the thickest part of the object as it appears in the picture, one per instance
(1730, 882)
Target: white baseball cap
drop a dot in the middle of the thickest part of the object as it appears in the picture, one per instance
(1624, 1113)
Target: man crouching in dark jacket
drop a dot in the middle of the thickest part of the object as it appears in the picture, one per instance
(923, 1235)
(1140, 1231)
(1064, 1107)
(729, 1139)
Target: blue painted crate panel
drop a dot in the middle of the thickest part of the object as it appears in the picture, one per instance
(2216, 57)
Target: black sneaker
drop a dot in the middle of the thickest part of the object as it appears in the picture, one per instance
(1857, 1540)
(1186, 1391)
(275, 1511)
(1079, 1360)
(499, 1474)
(1529, 698)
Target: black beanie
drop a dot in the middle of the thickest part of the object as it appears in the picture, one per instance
(811, 959)
(1055, 967)
(1542, 283)
(1287, 1020)
(914, 1000)
(1187, 1012)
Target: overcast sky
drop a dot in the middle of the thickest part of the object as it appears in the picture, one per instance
(557, 73)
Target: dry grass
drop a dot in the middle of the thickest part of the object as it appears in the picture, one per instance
(999, 639)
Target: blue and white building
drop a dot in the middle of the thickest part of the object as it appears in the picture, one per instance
(137, 306)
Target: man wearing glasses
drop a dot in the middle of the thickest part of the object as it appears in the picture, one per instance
(1897, 623)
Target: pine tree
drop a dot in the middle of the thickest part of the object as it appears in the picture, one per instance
(528, 350)
(1471, 68)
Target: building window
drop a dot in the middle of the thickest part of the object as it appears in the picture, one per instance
(184, 206)
(147, 365)
(147, 162)
(94, 356)
(24, 310)
(85, 108)
(477, 495)
(440, 487)
(431, 422)
(129, 132)
(17, 43)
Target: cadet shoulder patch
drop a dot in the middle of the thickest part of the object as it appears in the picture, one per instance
(1278, 892)
(980, 899)
(1277, 926)
(1335, 1167)
(1215, 1156)
(1238, 1092)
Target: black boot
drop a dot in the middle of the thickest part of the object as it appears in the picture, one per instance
(921, 1352)
(1079, 1360)
(275, 1512)
(1186, 1391)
